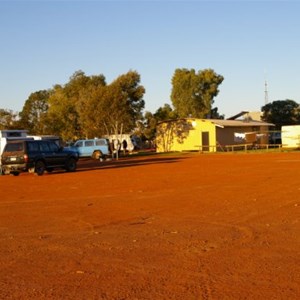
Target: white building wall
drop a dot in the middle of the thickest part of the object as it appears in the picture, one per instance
(290, 136)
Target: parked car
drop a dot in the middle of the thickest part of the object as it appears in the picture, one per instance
(36, 156)
(94, 148)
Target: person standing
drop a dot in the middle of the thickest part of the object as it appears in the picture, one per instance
(112, 148)
(124, 145)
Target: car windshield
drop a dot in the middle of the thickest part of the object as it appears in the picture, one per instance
(13, 147)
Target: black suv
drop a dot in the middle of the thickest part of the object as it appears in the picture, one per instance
(36, 157)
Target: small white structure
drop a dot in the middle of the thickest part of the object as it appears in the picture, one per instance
(133, 142)
(290, 136)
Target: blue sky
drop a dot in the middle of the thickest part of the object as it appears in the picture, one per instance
(44, 42)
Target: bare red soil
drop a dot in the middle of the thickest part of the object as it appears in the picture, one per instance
(192, 226)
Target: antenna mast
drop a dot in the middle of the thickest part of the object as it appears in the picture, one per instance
(266, 92)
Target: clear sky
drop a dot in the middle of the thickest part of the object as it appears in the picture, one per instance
(42, 43)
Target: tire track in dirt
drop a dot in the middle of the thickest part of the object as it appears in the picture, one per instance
(207, 289)
(202, 250)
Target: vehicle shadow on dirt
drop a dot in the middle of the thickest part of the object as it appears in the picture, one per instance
(123, 162)
(88, 164)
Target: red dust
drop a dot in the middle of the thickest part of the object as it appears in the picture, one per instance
(190, 226)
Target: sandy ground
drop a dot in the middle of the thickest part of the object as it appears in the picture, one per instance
(192, 226)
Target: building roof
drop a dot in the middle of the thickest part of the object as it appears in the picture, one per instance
(227, 123)
(247, 115)
(239, 123)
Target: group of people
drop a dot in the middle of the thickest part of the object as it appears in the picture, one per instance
(115, 147)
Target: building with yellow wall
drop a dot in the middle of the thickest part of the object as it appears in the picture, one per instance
(191, 134)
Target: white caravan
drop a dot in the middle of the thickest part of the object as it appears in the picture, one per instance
(290, 135)
(133, 141)
(6, 135)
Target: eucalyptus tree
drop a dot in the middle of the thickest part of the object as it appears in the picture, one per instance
(150, 120)
(8, 119)
(33, 114)
(193, 92)
(61, 118)
(69, 106)
(281, 112)
(126, 103)
(87, 107)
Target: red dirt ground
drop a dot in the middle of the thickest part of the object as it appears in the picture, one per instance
(190, 226)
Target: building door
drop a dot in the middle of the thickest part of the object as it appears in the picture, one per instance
(205, 141)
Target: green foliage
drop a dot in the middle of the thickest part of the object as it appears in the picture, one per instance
(124, 103)
(62, 118)
(8, 119)
(87, 107)
(150, 121)
(281, 112)
(32, 116)
(165, 113)
(192, 93)
(215, 114)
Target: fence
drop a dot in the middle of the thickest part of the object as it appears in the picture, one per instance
(237, 147)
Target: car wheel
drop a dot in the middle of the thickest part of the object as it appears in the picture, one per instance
(97, 155)
(39, 168)
(71, 165)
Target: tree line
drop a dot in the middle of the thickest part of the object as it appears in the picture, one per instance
(88, 107)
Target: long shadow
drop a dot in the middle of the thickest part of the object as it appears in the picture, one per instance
(88, 164)
(123, 162)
